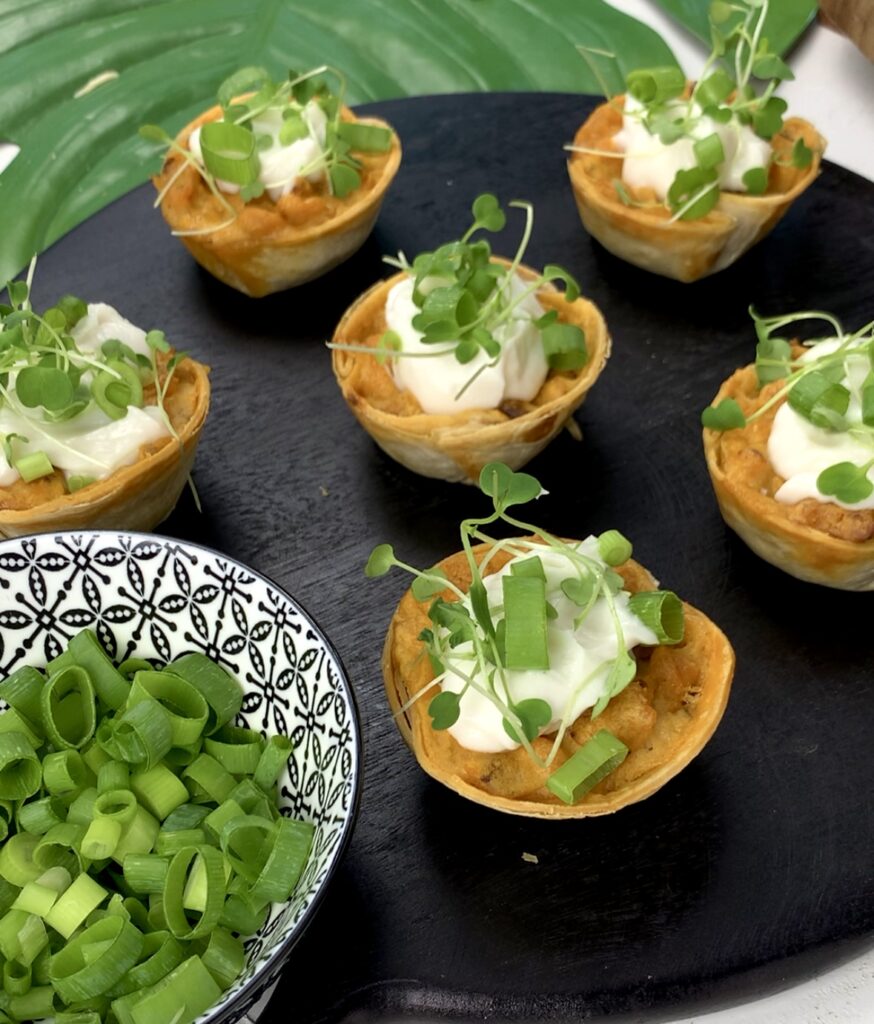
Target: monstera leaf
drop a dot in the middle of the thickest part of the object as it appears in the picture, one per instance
(785, 21)
(161, 61)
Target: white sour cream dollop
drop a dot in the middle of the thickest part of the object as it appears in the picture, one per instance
(579, 658)
(437, 380)
(90, 444)
(800, 451)
(649, 163)
(281, 166)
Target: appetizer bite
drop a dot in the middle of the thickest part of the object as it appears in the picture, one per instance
(682, 178)
(140, 837)
(99, 420)
(789, 443)
(464, 358)
(278, 183)
(548, 677)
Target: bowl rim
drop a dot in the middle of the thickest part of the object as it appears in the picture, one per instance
(252, 990)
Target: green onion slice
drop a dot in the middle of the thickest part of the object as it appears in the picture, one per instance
(95, 960)
(367, 138)
(69, 713)
(662, 612)
(183, 703)
(594, 761)
(526, 643)
(655, 85)
(220, 690)
(196, 879)
(230, 152)
(20, 771)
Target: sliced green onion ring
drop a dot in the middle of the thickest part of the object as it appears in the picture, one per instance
(230, 152)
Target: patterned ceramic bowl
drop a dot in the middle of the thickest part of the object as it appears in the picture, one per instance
(156, 597)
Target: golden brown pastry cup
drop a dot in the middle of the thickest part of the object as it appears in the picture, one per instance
(665, 716)
(135, 497)
(815, 541)
(456, 446)
(272, 246)
(685, 250)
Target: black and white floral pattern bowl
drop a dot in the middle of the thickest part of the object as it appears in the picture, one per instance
(158, 598)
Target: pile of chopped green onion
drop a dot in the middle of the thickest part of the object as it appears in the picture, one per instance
(140, 838)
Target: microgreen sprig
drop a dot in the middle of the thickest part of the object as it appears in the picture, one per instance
(723, 94)
(45, 378)
(480, 643)
(464, 298)
(815, 388)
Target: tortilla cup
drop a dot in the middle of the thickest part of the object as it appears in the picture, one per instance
(818, 541)
(665, 716)
(272, 246)
(135, 497)
(685, 250)
(456, 446)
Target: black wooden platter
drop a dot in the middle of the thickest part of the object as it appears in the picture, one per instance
(745, 873)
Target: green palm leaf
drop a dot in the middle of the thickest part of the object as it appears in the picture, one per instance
(77, 154)
(785, 22)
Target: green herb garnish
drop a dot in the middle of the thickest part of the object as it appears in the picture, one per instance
(480, 643)
(230, 147)
(819, 389)
(722, 93)
(45, 378)
(464, 299)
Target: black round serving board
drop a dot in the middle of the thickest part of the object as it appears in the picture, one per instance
(745, 873)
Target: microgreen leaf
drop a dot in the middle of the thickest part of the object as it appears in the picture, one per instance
(773, 357)
(847, 482)
(245, 80)
(802, 154)
(507, 488)
(694, 192)
(251, 191)
(154, 133)
(622, 672)
(157, 341)
(564, 346)
(444, 710)
(381, 559)
(579, 589)
(868, 398)
(344, 179)
(553, 272)
(487, 213)
(367, 138)
(534, 714)
(768, 118)
(668, 125)
(454, 618)
(769, 65)
(42, 385)
(726, 416)
(427, 586)
(17, 291)
(479, 602)
(756, 181)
